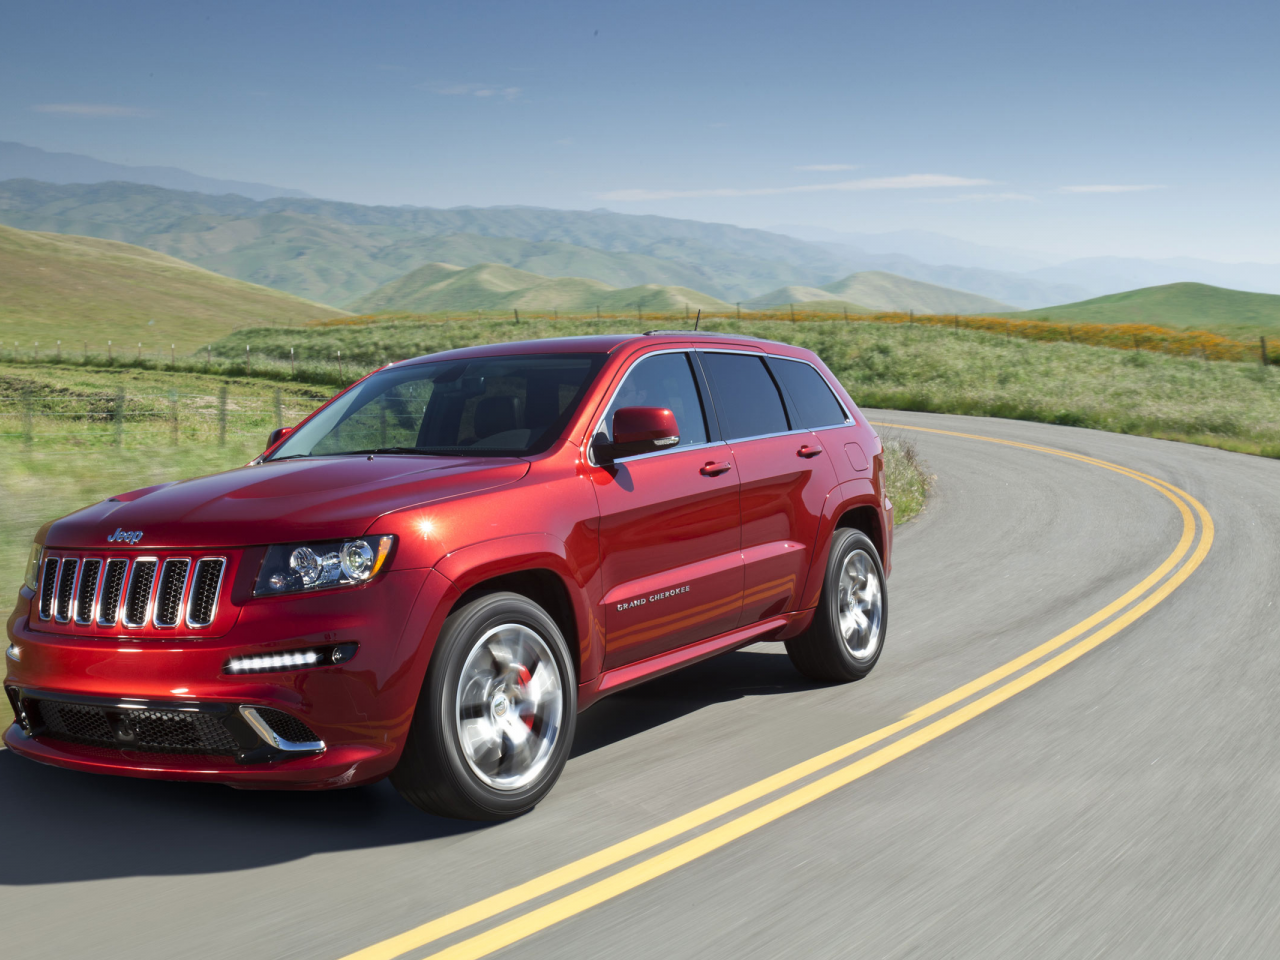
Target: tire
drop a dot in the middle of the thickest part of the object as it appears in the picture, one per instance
(846, 636)
(489, 738)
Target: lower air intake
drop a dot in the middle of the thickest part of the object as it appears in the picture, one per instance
(151, 731)
(287, 727)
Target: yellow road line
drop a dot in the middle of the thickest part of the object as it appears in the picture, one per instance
(631, 877)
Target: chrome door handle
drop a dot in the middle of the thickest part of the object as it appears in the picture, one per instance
(807, 451)
(712, 469)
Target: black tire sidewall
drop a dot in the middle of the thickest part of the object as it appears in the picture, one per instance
(457, 638)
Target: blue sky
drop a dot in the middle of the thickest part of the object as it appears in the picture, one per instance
(1076, 129)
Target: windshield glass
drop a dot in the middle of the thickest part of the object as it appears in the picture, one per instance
(490, 406)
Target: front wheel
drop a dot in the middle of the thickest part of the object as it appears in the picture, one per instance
(847, 634)
(495, 720)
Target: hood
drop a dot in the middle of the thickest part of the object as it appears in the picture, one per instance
(291, 500)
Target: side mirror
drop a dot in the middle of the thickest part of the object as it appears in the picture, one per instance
(278, 434)
(639, 430)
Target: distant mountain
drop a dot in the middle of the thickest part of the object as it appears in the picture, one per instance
(877, 290)
(77, 289)
(338, 252)
(925, 246)
(1102, 275)
(441, 287)
(807, 296)
(18, 161)
(1190, 306)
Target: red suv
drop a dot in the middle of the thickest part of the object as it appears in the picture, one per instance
(434, 572)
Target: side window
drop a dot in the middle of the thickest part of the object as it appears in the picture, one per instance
(813, 402)
(747, 399)
(664, 380)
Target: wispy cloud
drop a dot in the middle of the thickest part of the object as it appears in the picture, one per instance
(1112, 188)
(827, 167)
(483, 90)
(980, 198)
(91, 109)
(911, 181)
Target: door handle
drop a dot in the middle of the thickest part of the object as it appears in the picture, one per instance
(807, 451)
(713, 469)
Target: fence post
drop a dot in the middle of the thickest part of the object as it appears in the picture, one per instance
(517, 313)
(111, 357)
(208, 357)
(59, 351)
(173, 417)
(341, 375)
(86, 351)
(639, 315)
(279, 410)
(846, 314)
(26, 415)
(118, 414)
(597, 311)
(291, 370)
(222, 416)
(173, 355)
(139, 350)
(1262, 342)
(793, 312)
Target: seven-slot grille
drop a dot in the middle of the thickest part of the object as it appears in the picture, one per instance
(163, 593)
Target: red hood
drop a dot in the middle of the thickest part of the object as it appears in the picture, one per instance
(290, 500)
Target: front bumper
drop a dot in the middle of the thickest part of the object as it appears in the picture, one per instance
(359, 711)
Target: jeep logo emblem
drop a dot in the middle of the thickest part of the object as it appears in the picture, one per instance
(125, 536)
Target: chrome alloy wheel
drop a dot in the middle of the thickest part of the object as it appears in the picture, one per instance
(861, 605)
(510, 706)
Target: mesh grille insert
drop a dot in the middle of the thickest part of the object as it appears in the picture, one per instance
(66, 590)
(286, 726)
(138, 598)
(173, 580)
(112, 587)
(88, 588)
(164, 731)
(204, 591)
(48, 587)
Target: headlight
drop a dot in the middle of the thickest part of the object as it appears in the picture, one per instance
(296, 567)
(32, 579)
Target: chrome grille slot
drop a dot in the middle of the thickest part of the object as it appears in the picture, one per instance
(88, 590)
(173, 583)
(48, 587)
(205, 583)
(66, 590)
(137, 601)
(112, 588)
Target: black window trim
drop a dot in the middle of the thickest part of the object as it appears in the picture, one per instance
(709, 417)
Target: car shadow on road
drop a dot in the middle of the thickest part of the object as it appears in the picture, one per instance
(65, 826)
(757, 671)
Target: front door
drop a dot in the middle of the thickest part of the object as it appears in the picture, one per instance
(785, 476)
(670, 542)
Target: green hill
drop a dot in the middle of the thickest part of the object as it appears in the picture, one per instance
(72, 288)
(873, 290)
(441, 287)
(1185, 306)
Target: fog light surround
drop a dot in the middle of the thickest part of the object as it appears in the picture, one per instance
(14, 653)
(285, 661)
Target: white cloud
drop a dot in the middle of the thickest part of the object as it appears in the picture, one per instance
(980, 198)
(1112, 188)
(911, 181)
(482, 90)
(828, 167)
(91, 109)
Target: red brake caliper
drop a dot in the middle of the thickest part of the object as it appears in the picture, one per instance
(522, 672)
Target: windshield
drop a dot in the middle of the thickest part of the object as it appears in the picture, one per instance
(491, 406)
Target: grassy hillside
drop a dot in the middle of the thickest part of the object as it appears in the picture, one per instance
(874, 290)
(80, 288)
(490, 287)
(338, 252)
(1186, 306)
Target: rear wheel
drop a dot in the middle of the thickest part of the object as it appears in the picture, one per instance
(495, 719)
(847, 634)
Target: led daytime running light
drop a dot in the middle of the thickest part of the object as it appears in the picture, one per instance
(291, 659)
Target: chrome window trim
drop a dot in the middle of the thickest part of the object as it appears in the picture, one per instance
(849, 419)
(75, 585)
(151, 593)
(182, 593)
(217, 594)
(591, 434)
(128, 570)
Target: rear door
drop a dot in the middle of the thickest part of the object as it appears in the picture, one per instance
(785, 475)
(670, 544)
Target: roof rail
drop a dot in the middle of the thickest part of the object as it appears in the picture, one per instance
(702, 333)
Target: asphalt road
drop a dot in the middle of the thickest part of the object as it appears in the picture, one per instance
(1127, 804)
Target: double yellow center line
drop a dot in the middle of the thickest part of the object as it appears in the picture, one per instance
(1026, 670)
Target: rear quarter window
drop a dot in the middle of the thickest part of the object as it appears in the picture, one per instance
(812, 401)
